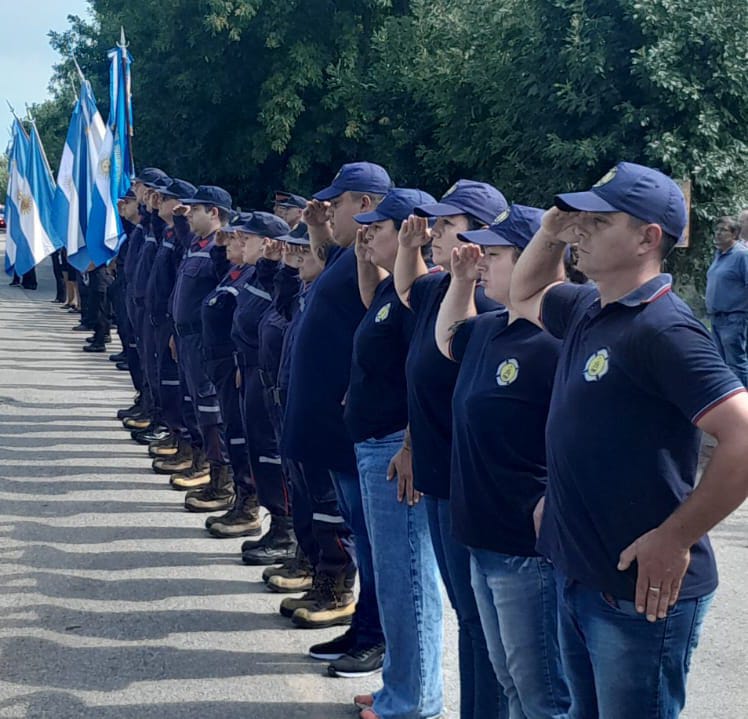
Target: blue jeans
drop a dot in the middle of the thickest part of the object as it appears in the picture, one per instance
(619, 665)
(407, 584)
(366, 623)
(516, 599)
(730, 330)
(481, 696)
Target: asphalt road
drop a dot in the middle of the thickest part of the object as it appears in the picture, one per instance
(115, 604)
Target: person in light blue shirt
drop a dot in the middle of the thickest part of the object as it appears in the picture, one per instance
(727, 296)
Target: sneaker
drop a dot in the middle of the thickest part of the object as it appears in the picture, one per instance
(360, 662)
(118, 357)
(94, 348)
(363, 701)
(335, 605)
(335, 648)
(153, 433)
(294, 575)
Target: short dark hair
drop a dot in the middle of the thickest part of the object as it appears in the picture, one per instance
(667, 243)
(474, 223)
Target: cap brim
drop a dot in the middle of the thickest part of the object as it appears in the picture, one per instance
(484, 237)
(439, 209)
(329, 193)
(583, 202)
(290, 240)
(366, 218)
(194, 201)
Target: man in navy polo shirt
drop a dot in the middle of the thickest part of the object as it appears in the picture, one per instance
(727, 296)
(320, 372)
(637, 379)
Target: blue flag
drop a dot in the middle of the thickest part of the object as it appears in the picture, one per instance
(31, 235)
(113, 171)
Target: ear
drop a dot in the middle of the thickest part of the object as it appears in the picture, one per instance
(366, 203)
(651, 239)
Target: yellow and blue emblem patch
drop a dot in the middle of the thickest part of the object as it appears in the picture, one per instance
(596, 366)
(507, 372)
(383, 313)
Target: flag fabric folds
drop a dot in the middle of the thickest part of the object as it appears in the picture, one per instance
(31, 234)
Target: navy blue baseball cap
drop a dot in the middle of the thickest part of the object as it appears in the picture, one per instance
(177, 188)
(467, 197)
(237, 222)
(397, 205)
(639, 191)
(357, 177)
(265, 224)
(514, 227)
(288, 199)
(149, 175)
(298, 236)
(129, 195)
(211, 196)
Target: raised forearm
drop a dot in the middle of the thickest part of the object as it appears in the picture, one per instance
(457, 306)
(409, 266)
(369, 277)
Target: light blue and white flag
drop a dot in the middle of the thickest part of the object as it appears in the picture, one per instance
(31, 236)
(92, 133)
(112, 175)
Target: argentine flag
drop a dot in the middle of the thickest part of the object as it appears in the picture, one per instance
(85, 146)
(113, 170)
(30, 193)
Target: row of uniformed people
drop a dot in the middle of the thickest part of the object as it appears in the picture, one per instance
(431, 379)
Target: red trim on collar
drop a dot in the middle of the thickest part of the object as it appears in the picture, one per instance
(660, 293)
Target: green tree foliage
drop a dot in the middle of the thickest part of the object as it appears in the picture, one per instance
(3, 178)
(538, 96)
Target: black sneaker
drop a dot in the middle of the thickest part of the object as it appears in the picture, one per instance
(94, 348)
(335, 648)
(360, 662)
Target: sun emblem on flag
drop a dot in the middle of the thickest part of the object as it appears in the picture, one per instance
(105, 166)
(24, 203)
(507, 372)
(383, 313)
(597, 366)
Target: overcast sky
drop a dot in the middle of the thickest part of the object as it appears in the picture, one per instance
(26, 57)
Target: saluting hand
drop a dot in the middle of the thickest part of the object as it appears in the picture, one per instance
(661, 565)
(272, 250)
(222, 238)
(362, 246)
(315, 213)
(292, 256)
(180, 210)
(465, 262)
(414, 232)
(561, 226)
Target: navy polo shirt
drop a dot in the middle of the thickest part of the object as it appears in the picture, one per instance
(296, 309)
(727, 281)
(499, 410)
(274, 323)
(431, 379)
(633, 379)
(314, 430)
(377, 403)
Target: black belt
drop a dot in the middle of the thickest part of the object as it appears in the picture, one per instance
(193, 328)
(266, 379)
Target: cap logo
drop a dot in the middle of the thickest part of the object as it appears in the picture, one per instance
(596, 366)
(501, 217)
(451, 190)
(383, 313)
(507, 372)
(340, 172)
(606, 178)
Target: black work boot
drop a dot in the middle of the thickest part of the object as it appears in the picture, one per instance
(277, 545)
(166, 447)
(293, 575)
(136, 408)
(198, 475)
(332, 604)
(218, 494)
(178, 462)
(242, 520)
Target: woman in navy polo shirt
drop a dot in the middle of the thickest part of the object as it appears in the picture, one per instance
(430, 378)
(405, 570)
(499, 473)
